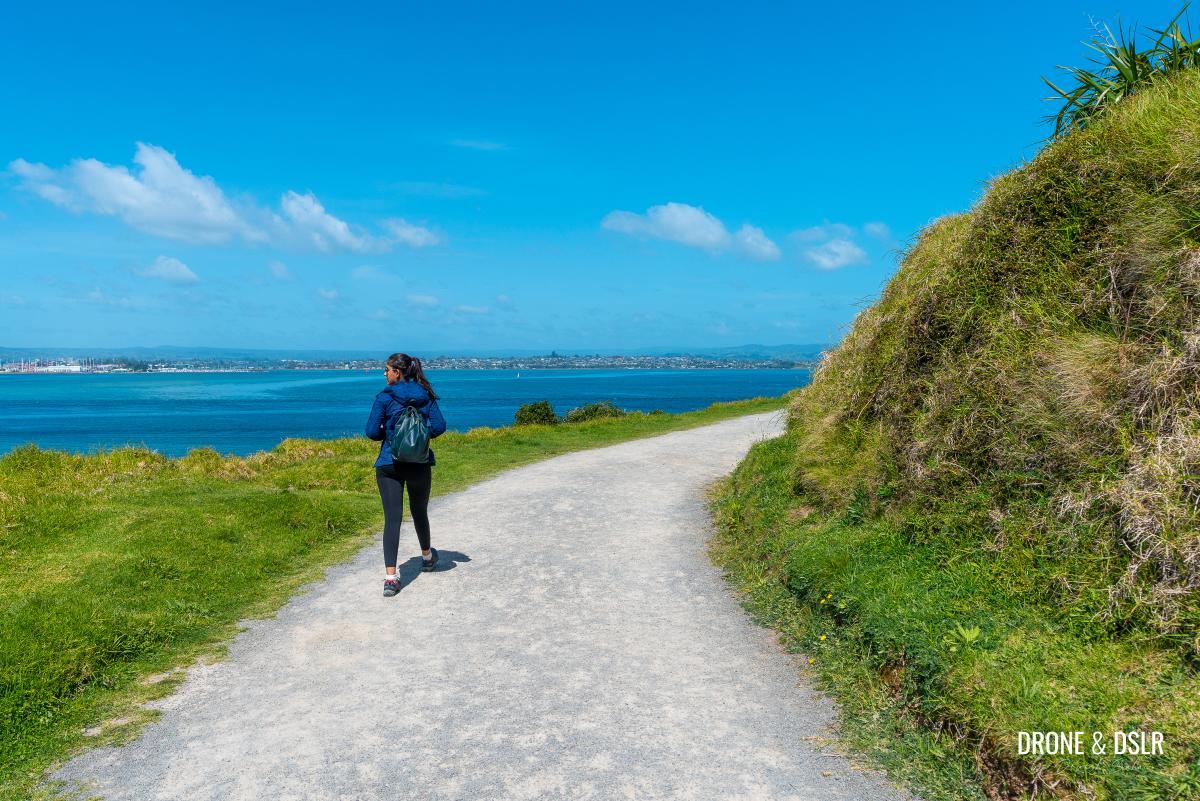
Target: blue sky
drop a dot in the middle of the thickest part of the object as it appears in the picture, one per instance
(450, 176)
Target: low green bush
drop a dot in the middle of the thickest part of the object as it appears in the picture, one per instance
(535, 414)
(594, 411)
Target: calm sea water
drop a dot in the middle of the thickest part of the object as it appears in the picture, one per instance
(247, 412)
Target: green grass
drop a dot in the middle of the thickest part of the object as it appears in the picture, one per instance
(117, 568)
(997, 475)
(888, 626)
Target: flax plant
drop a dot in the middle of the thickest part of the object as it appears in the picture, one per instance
(1122, 69)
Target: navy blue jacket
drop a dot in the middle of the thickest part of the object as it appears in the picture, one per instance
(390, 401)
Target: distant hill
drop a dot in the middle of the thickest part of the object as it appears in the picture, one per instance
(796, 352)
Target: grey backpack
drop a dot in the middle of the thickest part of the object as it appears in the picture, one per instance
(409, 438)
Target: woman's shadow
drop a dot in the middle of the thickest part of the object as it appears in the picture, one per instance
(447, 560)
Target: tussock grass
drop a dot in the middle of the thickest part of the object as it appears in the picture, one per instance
(118, 567)
(1010, 440)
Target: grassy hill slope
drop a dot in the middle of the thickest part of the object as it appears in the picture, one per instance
(985, 516)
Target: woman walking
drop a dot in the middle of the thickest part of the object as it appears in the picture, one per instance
(407, 387)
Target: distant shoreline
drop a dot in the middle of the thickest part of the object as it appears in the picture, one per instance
(57, 371)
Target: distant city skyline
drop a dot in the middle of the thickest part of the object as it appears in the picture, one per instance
(476, 177)
(788, 351)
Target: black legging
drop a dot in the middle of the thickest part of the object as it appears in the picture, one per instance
(391, 479)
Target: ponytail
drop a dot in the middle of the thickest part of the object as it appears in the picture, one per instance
(410, 368)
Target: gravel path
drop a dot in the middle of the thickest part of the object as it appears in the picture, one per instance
(575, 643)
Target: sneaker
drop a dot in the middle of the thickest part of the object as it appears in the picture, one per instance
(427, 564)
(391, 586)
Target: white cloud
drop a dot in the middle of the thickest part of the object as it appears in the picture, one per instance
(328, 294)
(169, 269)
(836, 253)
(694, 227)
(677, 222)
(478, 144)
(755, 244)
(413, 235)
(161, 197)
(503, 299)
(879, 230)
(472, 309)
(279, 270)
(40, 179)
(422, 300)
(380, 314)
(831, 246)
(322, 230)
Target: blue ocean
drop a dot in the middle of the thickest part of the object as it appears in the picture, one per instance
(246, 412)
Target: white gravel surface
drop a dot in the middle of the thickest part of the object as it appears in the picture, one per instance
(575, 643)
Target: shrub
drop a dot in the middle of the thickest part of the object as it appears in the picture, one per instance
(1122, 70)
(594, 411)
(539, 413)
